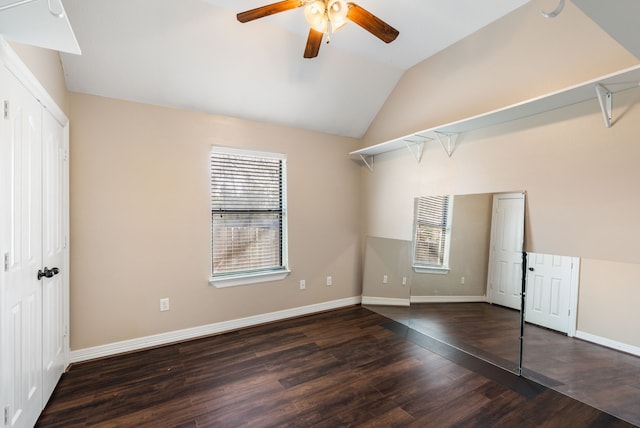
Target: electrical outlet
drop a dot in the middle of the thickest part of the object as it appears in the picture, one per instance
(462, 280)
(329, 280)
(404, 280)
(164, 304)
(385, 279)
(303, 284)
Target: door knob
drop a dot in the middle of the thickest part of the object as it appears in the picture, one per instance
(47, 273)
(531, 269)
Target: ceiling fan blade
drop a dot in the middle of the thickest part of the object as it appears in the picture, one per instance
(372, 23)
(270, 9)
(313, 43)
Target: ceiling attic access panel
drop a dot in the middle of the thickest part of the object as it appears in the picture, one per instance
(602, 88)
(42, 23)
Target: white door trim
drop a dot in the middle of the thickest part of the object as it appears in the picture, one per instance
(14, 64)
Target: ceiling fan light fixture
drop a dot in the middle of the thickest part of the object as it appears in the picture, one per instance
(316, 15)
(325, 17)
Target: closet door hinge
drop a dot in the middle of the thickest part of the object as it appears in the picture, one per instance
(6, 262)
(6, 109)
(6, 415)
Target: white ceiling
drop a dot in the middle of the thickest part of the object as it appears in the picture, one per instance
(195, 55)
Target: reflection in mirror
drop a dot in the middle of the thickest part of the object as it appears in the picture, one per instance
(600, 376)
(463, 273)
(387, 272)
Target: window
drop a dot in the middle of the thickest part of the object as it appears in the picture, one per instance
(248, 216)
(432, 233)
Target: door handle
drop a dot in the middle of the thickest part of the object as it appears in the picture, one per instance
(47, 273)
(531, 269)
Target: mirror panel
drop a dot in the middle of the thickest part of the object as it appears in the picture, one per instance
(600, 376)
(387, 272)
(443, 308)
(468, 253)
(452, 306)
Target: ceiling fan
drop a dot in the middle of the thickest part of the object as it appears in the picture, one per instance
(325, 17)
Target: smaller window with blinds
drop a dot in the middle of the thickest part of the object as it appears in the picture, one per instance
(248, 216)
(432, 233)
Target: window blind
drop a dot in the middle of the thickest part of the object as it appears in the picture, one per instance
(247, 212)
(432, 231)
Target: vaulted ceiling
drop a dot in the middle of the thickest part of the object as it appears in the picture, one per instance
(195, 55)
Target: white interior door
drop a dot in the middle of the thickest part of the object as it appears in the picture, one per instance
(548, 292)
(22, 252)
(54, 296)
(505, 256)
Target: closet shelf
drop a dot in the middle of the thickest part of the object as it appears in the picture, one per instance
(601, 88)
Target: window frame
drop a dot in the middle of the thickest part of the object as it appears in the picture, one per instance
(444, 267)
(260, 275)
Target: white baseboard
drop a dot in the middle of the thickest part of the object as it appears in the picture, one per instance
(384, 301)
(205, 330)
(448, 299)
(629, 349)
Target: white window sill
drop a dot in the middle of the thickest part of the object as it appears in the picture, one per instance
(246, 279)
(432, 270)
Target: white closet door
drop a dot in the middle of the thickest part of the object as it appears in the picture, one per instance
(54, 294)
(22, 247)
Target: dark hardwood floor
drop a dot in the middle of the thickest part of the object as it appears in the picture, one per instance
(601, 377)
(348, 367)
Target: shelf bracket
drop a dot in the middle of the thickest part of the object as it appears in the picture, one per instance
(447, 141)
(416, 142)
(368, 161)
(605, 98)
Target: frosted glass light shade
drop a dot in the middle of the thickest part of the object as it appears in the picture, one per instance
(316, 16)
(337, 11)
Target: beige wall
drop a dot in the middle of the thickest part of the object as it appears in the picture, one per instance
(579, 176)
(140, 220)
(519, 57)
(607, 289)
(140, 214)
(46, 67)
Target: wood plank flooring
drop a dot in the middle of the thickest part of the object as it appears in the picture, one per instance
(348, 367)
(601, 377)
